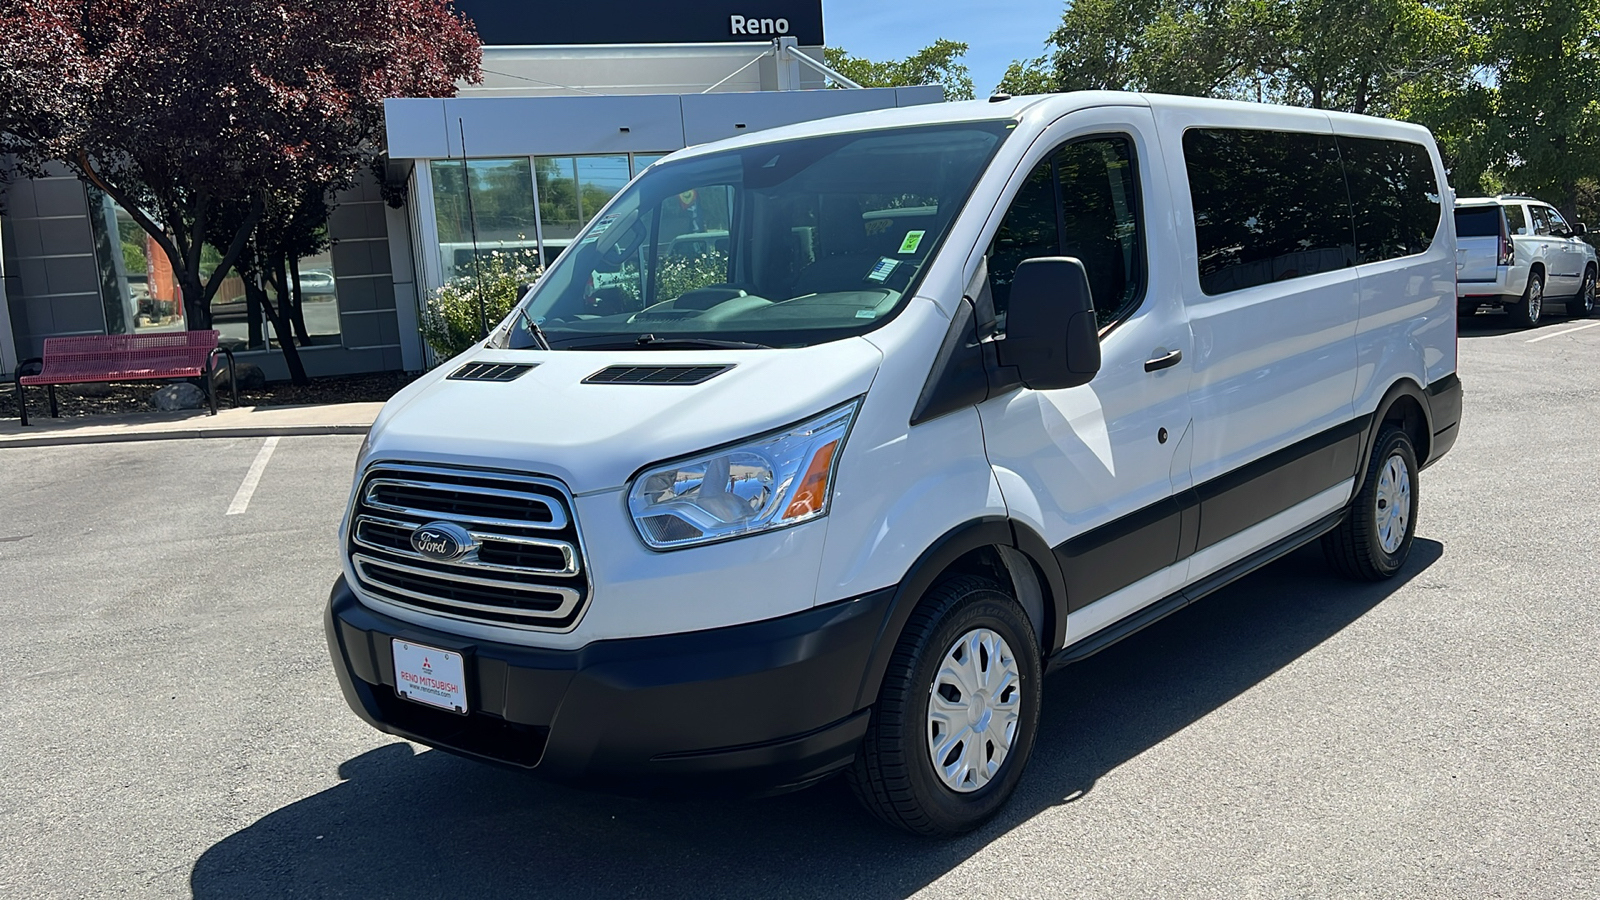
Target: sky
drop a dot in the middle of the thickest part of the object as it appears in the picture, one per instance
(998, 31)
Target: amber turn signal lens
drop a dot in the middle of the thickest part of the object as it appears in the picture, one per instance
(813, 493)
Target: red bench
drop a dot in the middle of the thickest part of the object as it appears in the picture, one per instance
(125, 357)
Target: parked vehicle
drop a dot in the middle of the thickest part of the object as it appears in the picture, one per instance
(1517, 253)
(838, 505)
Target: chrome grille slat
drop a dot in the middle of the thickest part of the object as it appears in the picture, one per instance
(558, 516)
(471, 561)
(524, 568)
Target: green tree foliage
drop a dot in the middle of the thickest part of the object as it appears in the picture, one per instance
(1508, 88)
(936, 64)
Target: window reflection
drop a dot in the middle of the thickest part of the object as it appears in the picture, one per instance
(501, 205)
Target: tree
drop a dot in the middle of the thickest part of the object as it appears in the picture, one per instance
(1354, 55)
(936, 64)
(192, 113)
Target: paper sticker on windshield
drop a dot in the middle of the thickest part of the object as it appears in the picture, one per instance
(912, 242)
(599, 228)
(883, 269)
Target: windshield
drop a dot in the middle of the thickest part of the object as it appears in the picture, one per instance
(781, 244)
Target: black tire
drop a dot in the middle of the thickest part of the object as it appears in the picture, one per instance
(1581, 306)
(1527, 311)
(893, 774)
(1356, 548)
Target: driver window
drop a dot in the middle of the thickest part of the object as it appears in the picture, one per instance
(691, 247)
(1080, 202)
(1558, 225)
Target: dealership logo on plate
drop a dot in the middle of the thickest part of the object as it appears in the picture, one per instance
(442, 541)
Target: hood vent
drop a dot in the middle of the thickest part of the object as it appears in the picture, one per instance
(486, 371)
(656, 374)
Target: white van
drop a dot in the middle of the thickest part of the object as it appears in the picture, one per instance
(976, 390)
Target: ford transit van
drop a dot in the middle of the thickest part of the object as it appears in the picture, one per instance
(959, 394)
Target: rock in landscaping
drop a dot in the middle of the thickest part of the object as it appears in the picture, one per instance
(179, 396)
(251, 378)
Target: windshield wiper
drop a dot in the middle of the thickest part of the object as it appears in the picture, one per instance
(651, 342)
(534, 330)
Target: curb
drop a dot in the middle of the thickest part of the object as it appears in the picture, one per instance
(58, 440)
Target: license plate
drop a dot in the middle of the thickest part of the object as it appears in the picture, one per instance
(430, 676)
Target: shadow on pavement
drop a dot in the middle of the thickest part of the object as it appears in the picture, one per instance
(1493, 323)
(430, 824)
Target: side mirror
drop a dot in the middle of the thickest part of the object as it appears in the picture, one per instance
(1051, 336)
(1579, 230)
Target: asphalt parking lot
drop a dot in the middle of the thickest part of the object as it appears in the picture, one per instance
(169, 723)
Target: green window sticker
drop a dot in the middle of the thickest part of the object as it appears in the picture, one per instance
(912, 242)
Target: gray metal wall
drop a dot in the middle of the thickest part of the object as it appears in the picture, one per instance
(52, 283)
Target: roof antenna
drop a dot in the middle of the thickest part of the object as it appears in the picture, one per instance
(472, 223)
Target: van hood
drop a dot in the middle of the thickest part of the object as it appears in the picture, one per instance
(554, 420)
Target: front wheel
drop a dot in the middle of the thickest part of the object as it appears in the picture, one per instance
(955, 720)
(1582, 305)
(1375, 538)
(1526, 312)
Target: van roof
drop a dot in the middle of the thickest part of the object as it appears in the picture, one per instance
(1043, 106)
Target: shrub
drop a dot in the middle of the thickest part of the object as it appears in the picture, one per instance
(450, 322)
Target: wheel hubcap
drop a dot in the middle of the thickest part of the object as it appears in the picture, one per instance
(973, 709)
(1586, 294)
(1535, 300)
(1393, 513)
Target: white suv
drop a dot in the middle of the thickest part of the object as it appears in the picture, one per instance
(1513, 251)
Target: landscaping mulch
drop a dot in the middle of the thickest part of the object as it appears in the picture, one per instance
(103, 399)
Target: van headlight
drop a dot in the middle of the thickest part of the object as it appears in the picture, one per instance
(772, 481)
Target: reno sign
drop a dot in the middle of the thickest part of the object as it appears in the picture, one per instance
(533, 23)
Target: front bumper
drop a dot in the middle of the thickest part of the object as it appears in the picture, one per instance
(746, 709)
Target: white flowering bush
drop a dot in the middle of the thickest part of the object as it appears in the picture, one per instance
(450, 322)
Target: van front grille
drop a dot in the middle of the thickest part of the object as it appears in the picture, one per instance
(523, 565)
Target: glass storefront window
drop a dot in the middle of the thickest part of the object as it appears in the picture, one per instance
(137, 287)
(642, 160)
(571, 190)
(501, 204)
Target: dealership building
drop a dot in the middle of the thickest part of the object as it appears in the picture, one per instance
(571, 106)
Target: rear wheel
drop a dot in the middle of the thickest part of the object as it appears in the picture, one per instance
(1375, 538)
(955, 721)
(1582, 306)
(1526, 312)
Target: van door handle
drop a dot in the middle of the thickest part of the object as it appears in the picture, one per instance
(1165, 361)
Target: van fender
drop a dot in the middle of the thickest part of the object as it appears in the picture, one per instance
(1041, 587)
(1403, 387)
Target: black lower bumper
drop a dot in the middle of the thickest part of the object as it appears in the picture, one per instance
(751, 708)
(1444, 409)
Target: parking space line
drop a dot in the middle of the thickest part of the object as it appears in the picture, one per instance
(1546, 337)
(241, 500)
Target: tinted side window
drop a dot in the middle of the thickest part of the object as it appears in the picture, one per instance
(1394, 197)
(1515, 220)
(1558, 225)
(1541, 221)
(1478, 221)
(1099, 224)
(1268, 206)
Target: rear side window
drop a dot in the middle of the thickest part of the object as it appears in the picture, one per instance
(1393, 195)
(1478, 221)
(1515, 220)
(1268, 206)
(1541, 219)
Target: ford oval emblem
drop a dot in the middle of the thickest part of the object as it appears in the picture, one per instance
(442, 541)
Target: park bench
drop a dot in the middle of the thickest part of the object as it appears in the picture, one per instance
(126, 357)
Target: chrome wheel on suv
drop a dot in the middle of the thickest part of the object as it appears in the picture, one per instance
(1526, 312)
(1582, 305)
